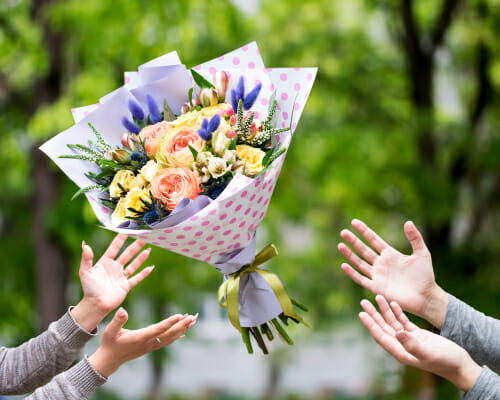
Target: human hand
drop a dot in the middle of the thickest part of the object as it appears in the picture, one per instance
(120, 345)
(408, 280)
(106, 284)
(417, 347)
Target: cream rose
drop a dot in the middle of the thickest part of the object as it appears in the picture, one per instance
(252, 158)
(174, 150)
(150, 170)
(133, 200)
(118, 215)
(126, 179)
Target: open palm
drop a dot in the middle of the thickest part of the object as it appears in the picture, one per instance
(107, 283)
(383, 270)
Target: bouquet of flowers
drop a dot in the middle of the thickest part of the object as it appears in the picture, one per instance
(187, 160)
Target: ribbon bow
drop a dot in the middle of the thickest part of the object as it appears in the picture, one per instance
(228, 292)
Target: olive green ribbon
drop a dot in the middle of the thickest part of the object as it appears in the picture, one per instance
(228, 292)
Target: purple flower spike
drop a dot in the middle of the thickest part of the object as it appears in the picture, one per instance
(234, 101)
(252, 96)
(130, 126)
(136, 110)
(204, 134)
(237, 94)
(214, 123)
(204, 124)
(154, 112)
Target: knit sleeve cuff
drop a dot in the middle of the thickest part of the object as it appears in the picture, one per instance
(85, 378)
(487, 386)
(452, 314)
(70, 332)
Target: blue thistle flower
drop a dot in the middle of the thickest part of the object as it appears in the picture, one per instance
(214, 190)
(252, 96)
(154, 112)
(214, 123)
(130, 126)
(136, 157)
(151, 216)
(204, 134)
(136, 110)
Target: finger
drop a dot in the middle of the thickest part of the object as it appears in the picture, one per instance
(130, 252)
(87, 257)
(413, 346)
(388, 314)
(138, 261)
(117, 322)
(362, 249)
(357, 277)
(415, 238)
(115, 246)
(357, 262)
(177, 331)
(160, 327)
(402, 318)
(373, 313)
(386, 341)
(371, 237)
(140, 276)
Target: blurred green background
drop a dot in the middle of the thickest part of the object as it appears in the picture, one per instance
(402, 123)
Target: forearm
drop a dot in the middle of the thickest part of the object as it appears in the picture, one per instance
(473, 331)
(35, 362)
(79, 382)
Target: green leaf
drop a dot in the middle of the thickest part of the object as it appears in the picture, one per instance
(190, 95)
(194, 152)
(200, 80)
(234, 142)
(266, 158)
(168, 114)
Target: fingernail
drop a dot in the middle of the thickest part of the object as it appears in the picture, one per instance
(83, 244)
(402, 336)
(148, 250)
(196, 315)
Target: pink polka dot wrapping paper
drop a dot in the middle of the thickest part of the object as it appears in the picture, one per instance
(229, 222)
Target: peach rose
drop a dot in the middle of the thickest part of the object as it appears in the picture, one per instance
(171, 185)
(174, 150)
(153, 134)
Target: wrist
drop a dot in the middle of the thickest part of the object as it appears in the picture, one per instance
(88, 314)
(467, 375)
(435, 306)
(103, 363)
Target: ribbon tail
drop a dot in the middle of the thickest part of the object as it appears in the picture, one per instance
(233, 290)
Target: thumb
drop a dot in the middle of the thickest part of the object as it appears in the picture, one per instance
(411, 344)
(415, 238)
(117, 322)
(87, 257)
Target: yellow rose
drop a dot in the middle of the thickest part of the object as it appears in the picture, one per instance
(133, 200)
(126, 179)
(252, 158)
(119, 214)
(193, 119)
(150, 170)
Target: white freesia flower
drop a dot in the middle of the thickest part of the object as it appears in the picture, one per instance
(217, 167)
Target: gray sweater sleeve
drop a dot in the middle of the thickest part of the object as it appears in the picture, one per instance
(34, 363)
(474, 331)
(486, 387)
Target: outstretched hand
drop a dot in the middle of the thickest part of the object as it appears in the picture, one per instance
(409, 280)
(417, 347)
(120, 345)
(106, 284)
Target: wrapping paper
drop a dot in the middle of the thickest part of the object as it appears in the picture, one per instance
(220, 232)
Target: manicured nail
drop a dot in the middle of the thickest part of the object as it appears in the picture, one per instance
(83, 244)
(196, 315)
